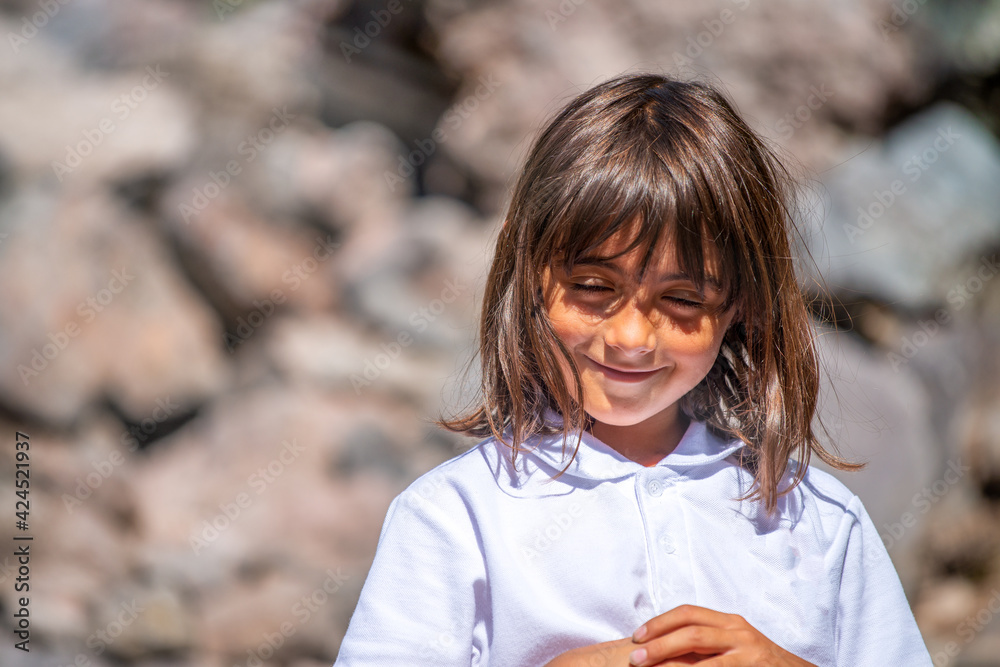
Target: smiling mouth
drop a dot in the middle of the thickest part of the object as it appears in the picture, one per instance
(624, 376)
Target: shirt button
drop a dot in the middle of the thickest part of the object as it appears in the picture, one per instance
(654, 487)
(667, 543)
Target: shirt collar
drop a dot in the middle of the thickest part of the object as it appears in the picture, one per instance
(545, 455)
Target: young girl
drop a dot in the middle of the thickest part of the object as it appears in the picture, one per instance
(647, 373)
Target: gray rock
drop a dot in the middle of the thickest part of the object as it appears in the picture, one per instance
(101, 129)
(900, 219)
(880, 416)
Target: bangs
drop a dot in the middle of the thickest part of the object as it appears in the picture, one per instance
(656, 180)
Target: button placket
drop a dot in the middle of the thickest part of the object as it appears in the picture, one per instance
(657, 490)
(656, 487)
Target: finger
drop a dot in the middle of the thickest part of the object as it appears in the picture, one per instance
(710, 661)
(678, 617)
(686, 659)
(698, 639)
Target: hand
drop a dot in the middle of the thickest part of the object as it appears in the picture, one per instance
(714, 638)
(609, 654)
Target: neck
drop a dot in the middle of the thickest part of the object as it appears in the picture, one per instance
(647, 442)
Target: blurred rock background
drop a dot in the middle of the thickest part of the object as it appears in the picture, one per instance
(243, 245)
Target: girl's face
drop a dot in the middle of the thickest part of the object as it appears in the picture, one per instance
(639, 346)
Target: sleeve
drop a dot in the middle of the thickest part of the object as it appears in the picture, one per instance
(423, 598)
(875, 625)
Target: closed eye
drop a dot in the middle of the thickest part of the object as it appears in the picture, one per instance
(683, 303)
(594, 289)
(589, 288)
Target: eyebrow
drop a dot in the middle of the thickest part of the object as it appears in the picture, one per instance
(590, 261)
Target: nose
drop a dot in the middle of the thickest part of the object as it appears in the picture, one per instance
(630, 332)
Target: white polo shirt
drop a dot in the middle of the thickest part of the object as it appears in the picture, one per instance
(478, 563)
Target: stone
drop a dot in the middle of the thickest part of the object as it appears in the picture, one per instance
(886, 223)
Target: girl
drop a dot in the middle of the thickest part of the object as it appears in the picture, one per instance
(641, 318)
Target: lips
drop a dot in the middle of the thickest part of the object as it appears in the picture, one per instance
(622, 375)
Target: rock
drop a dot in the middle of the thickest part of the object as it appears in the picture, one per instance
(338, 177)
(332, 355)
(963, 539)
(235, 80)
(137, 622)
(879, 416)
(539, 56)
(102, 128)
(967, 38)
(115, 321)
(114, 36)
(252, 268)
(426, 277)
(944, 604)
(976, 426)
(263, 464)
(889, 216)
(80, 503)
(278, 615)
(257, 459)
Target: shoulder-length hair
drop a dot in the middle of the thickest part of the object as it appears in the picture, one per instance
(676, 156)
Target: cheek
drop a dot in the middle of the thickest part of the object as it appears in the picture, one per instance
(694, 343)
(573, 333)
(568, 325)
(568, 334)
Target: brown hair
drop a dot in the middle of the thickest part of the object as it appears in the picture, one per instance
(676, 156)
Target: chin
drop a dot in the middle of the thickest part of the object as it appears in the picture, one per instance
(620, 417)
(623, 416)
